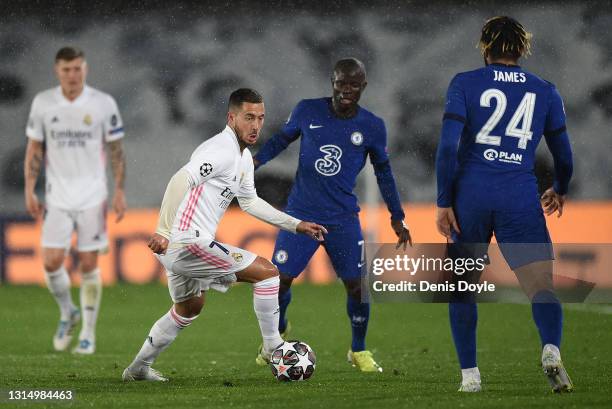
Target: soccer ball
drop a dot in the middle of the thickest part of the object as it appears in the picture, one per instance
(293, 361)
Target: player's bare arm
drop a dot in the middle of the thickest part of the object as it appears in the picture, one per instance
(32, 165)
(445, 220)
(118, 165)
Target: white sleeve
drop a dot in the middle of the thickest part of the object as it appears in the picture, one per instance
(247, 185)
(175, 192)
(35, 127)
(259, 208)
(113, 124)
(206, 165)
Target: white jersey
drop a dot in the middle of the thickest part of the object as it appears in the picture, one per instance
(218, 173)
(74, 133)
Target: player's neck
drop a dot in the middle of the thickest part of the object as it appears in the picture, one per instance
(503, 61)
(71, 95)
(344, 113)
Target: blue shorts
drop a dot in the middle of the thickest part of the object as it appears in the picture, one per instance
(522, 234)
(343, 243)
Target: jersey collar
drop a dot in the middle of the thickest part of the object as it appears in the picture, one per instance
(80, 100)
(498, 64)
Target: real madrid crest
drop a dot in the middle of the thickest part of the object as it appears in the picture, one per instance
(87, 120)
(237, 257)
(357, 138)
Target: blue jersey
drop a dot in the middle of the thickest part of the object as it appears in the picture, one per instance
(504, 111)
(332, 153)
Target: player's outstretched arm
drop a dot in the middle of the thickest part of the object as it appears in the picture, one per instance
(280, 141)
(118, 166)
(32, 164)
(262, 210)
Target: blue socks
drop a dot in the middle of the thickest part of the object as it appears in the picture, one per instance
(548, 317)
(547, 314)
(283, 302)
(463, 319)
(359, 315)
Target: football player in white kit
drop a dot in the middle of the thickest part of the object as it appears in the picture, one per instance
(195, 200)
(68, 129)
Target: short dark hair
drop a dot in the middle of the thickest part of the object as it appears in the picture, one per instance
(69, 54)
(350, 63)
(504, 37)
(244, 95)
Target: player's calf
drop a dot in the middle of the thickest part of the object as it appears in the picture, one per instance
(265, 278)
(162, 334)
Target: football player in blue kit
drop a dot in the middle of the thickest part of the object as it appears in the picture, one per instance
(494, 119)
(336, 137)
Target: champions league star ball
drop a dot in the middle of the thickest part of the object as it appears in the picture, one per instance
(293, 361)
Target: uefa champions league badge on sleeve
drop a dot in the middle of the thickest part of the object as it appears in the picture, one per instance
(357, 138)
(206, 169)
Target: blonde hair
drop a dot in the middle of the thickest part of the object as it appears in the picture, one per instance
(503, 36)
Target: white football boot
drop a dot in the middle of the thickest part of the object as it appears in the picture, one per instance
(470, 381)
(146, 373)
(85, 347)
(554, 370)
(63, 334)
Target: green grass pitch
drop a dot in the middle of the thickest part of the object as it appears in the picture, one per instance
(212, 363)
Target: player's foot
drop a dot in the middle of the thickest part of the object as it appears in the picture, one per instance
(63, 335)
(263, 359)
(470, 385)
(85, 347)
(364, 361)
(146, 373)
(554, 370)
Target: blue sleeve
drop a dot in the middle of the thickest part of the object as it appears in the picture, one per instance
(452, 127)
(281, 140)
(558, 143)
(384, 174)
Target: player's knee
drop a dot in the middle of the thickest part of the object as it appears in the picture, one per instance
(353, 288)
(269, 270)
(53, 262)
(88, 262)
(285, 283)
(191, 307)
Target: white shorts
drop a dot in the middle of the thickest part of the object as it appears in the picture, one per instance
(89, 225)
(202, 265)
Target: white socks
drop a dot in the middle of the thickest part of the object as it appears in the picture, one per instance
(163, 332)
(470, 374)
(265, 303)
(91, 294)
(58, 283)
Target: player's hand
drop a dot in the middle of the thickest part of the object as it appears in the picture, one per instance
(313, 230)
(33, 206)
(158, 244)
(445, 221)
(552, 202)
(402, 232)
(119, 204)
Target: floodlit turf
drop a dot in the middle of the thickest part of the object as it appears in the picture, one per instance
(212, 363)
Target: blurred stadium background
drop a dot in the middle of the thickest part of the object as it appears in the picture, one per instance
(171, 69)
